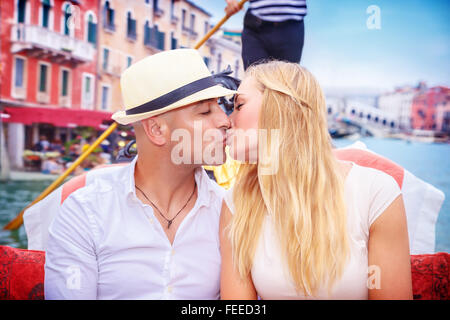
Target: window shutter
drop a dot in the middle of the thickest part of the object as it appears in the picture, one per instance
(43, 78)
(65, 82)
(161, 38)
(146, 34)
(92, 32)
(111, 17)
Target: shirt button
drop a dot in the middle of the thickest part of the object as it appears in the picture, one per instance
(169, 289)
(173, 252)
(151, 220)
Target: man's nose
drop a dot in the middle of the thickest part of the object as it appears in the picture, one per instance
(222, 121)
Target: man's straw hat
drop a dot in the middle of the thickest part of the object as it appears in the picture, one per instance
(166, 81)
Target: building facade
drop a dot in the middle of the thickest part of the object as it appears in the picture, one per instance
(61, 61)
(48, 61)
(424, 107)
(399, 104)
(133, 30)
(443, 116)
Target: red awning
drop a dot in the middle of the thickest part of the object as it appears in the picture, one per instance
(59, 117)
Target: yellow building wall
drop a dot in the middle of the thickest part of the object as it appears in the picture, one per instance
(167, 20)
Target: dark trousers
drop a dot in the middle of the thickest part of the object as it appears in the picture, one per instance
(262, 40)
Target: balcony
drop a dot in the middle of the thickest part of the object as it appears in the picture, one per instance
(43, 97)
(185, 30)
(191, 33)
(194, 34)
(154, 39)
(132, 36)
(158, 12)
(40, 42)
(109, 27)
(174, 20)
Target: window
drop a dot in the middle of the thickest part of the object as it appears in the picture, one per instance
(21, 9)
(153, 37)
(174, 42)
(108, 13)
(172, 8)
(129, 61)
(192, 22)
(183, 18)
(19, 72)
(236, 68)
(160, 38)
(91, 28)
(156, 9)
(88, 91)
(67, 13)
(105, 97)
(43, 75)
(131, 27)
(105, 59)
(65, 83)
(46, 7)
(206, 27)
(147, 34)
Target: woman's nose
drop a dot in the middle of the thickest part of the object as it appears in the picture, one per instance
(231, 119)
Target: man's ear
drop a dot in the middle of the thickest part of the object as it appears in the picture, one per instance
(156, 130)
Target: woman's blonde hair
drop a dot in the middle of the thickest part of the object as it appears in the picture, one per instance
(305, 196)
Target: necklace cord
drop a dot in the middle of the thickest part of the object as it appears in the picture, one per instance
(169, 221)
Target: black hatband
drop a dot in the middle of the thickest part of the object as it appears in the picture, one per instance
(173, 96)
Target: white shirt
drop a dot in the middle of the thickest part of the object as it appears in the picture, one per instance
(106, 244)
(368, 192)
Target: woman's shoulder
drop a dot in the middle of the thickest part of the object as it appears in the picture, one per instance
(375, 188)
(373, 178)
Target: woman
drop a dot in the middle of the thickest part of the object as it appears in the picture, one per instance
(312, 226)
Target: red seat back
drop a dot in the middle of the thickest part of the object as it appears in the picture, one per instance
(22, 275)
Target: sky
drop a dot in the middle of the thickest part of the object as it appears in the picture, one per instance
(411, 45)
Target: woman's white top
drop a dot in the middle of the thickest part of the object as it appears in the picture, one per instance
(368, 193)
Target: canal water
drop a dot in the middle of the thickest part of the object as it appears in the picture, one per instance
(428, 161)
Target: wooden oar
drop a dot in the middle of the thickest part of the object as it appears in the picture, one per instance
(18, 220)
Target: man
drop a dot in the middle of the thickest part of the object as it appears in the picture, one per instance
(273, 29)
(149, 229)
(42, 144)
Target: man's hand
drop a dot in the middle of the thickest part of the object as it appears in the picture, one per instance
(232, 7)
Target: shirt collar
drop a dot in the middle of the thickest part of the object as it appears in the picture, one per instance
(204, 187)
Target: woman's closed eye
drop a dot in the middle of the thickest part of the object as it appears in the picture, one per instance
(239, 106)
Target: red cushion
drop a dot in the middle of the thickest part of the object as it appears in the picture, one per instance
(21, 274)
(430, 276)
